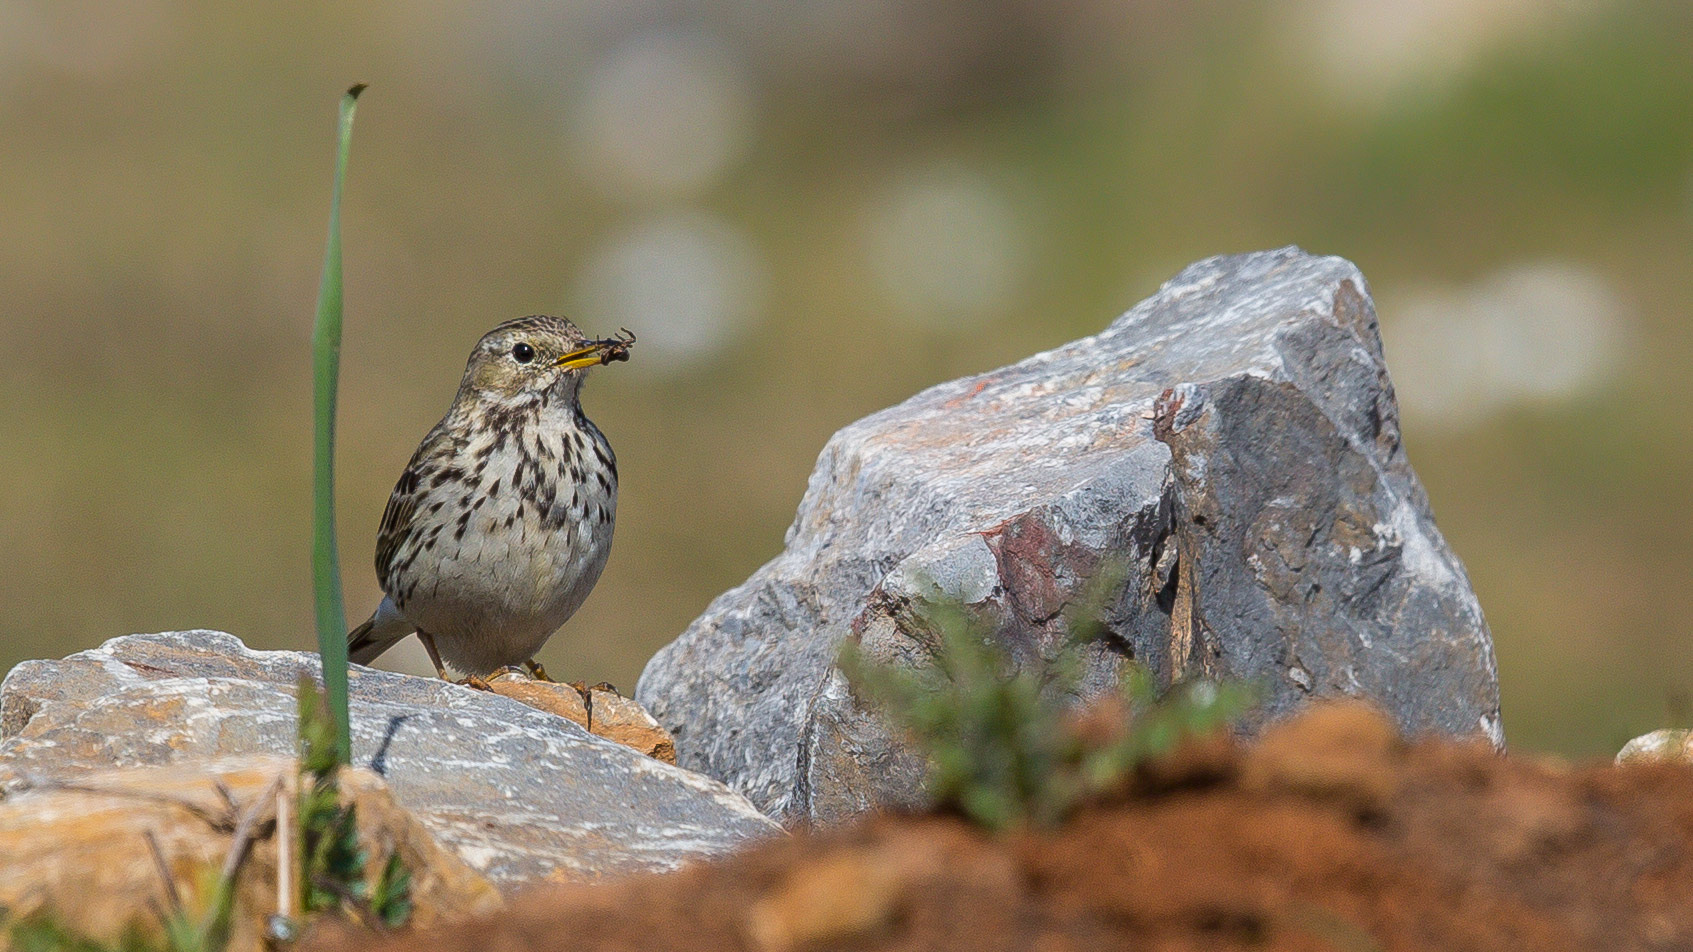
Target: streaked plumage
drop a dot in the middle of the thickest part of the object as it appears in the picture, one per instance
(502, 521)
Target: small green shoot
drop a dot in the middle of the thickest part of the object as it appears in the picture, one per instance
(326, 370)
(333, 864)
(390, 894)
(1006, 744)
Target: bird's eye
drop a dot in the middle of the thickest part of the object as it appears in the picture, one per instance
(523, 353)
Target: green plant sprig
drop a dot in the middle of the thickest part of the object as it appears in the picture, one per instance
(326, 369)
(1006, 744)
(333, 874)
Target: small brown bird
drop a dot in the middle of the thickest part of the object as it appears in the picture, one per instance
(502, 521)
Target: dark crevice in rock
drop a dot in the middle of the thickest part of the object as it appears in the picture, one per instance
(1166, 597)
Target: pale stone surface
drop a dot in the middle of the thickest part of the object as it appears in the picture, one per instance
(521, 795)
(1232, 443)
(59, 848)
(1666, 746)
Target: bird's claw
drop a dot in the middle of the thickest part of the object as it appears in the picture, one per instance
(537, 672)
(585, 689)
(587, 692)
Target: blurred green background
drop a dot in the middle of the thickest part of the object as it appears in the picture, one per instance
(809, 210)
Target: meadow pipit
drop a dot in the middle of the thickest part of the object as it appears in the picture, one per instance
(502, 521)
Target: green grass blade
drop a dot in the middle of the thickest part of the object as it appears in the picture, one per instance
(326, 370)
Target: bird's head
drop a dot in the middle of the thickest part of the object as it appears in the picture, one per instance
(536, 354)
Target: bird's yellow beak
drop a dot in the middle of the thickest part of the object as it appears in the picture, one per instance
(599, 352)
(588, 356)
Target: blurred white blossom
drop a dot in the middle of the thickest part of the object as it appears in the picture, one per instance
(1540, 332)
(687, 283)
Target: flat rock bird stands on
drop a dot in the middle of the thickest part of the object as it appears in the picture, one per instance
(502, 521)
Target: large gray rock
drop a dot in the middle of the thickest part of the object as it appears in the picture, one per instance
(519, 794)
(1232, 443)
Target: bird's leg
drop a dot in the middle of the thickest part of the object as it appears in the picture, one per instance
(441, 670)
(536, 671)
(434, 655)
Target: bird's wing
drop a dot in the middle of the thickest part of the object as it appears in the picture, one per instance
(399, 520)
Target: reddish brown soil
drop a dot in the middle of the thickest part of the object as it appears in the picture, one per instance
(1331, 834)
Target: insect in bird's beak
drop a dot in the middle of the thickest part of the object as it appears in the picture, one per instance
(609, 350)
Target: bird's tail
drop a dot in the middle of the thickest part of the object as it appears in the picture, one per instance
(382, 631)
